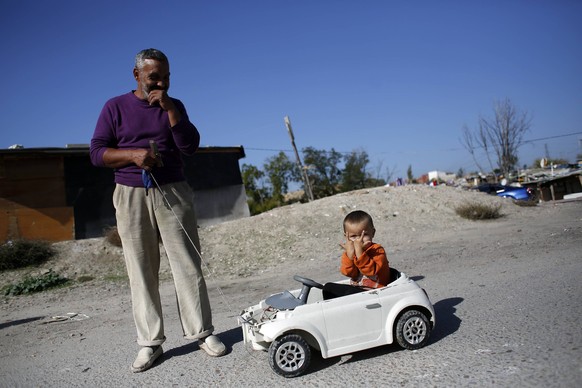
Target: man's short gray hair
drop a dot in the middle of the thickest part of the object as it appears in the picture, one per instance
(150, 53)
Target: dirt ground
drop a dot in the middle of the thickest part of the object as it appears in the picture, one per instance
(247, 259)
(287, 239)
(290, 235)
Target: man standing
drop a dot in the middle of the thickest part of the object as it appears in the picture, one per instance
(148, 180)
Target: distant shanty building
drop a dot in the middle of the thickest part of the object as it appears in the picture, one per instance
(436, 176)
(441, 176)
(56, 194)
(563, 186)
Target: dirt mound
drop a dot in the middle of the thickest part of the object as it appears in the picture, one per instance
(403, 216)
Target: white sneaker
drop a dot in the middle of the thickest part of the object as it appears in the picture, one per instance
(145, 358)
(213, 346)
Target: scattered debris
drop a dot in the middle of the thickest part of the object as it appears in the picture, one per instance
(66, 318)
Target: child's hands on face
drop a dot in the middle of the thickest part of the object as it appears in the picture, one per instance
(348, 246)
(361, 243)
(358, 239)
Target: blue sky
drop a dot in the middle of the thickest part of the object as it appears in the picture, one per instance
(397, 79)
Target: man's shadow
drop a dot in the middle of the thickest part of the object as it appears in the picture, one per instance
(18, 322)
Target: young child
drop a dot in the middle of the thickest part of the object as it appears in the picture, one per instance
(363, 261)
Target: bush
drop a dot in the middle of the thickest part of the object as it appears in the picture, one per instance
(478, 211)
(112, 236)
(23, 253)
(40, 283)
(531, 203)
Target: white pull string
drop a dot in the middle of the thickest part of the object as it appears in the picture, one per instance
(204, 264)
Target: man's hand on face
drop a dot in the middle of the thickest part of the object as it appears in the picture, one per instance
(161, 97)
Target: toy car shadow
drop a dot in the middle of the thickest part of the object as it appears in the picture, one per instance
(290, 324)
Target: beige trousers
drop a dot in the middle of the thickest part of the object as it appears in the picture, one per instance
(142, 221)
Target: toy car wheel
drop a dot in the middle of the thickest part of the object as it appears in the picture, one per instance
(289, 355)
(412, 330)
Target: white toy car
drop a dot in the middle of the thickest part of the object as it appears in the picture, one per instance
(291, 323)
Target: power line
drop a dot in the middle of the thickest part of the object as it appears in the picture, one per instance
(449, 149)
(266, 149)
(289, 151)
(552, 137)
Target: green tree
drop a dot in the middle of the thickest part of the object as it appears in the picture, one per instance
(265, 189)
(252, 179)
(409, 174)
(258, 194)
(354, 176)
(280, 171)
(322, 170)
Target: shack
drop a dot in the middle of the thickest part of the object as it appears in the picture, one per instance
(56, 194)
(555, 188)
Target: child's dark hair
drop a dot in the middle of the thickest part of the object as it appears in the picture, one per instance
(357, 217)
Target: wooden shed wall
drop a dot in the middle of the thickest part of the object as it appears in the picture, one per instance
(555, 189)
(57, 194)
(32, 198)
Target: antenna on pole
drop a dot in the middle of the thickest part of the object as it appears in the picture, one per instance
(301, 168)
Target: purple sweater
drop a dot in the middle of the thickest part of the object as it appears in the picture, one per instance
(126, 122)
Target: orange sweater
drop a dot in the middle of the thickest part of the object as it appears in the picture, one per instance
(371, 269)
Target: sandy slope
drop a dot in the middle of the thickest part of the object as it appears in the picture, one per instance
(295, 234)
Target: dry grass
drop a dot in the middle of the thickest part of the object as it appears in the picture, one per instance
(530, 203)
(478, 211)
(24, 253)
(112, 236)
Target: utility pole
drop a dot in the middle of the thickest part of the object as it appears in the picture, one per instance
(301, 168)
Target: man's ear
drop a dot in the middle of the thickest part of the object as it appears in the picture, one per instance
(135, 73)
